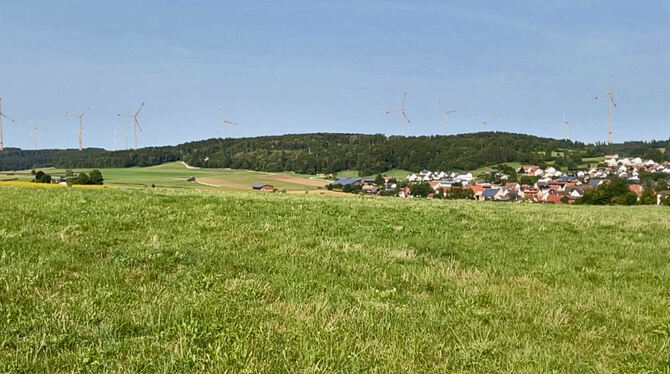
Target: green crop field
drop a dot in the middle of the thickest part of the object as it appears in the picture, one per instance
(187, 280)
(176, 174)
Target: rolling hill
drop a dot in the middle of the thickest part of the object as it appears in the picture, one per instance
(331, 153)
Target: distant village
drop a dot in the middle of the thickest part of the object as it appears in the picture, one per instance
(531, 183)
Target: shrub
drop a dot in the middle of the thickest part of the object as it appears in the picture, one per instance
(617, 192)
(42, 177)
(82, 178)
(95, 177)
(648, 197)
(421, 189)
(458, 193)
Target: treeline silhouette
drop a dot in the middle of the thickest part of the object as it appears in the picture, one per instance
(329, 153)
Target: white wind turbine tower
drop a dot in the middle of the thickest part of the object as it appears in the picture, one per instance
(403, 115)
(81, 125)
(35, 131)
(446, 117)
(565, 126)
(125, 136)
(225, 122)
(116, 138)
(2, 115)
(137, 124)
(610, 95)
(484, 122)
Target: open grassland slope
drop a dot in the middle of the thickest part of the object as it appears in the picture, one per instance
(191, 281)
(176, 174)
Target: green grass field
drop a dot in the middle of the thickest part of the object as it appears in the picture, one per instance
(178, 280)
(175, 174)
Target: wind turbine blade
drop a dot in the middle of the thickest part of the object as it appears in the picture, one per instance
(394, 111)
(139, 110)
(230, 122)
(404, 96)
(4, 115)
(405, 115)
(601, 95)
(137, 123)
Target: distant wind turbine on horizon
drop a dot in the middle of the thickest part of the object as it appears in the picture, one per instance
(445, 115)
(81, 125)
(35, 130)
(610, 95)
(1, 116)
(225, 122)
(135, 122)
(565, 125)
(116, 137)
(484, 122)
(403, 115)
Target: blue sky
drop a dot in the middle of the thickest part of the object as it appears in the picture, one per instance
(332, 66)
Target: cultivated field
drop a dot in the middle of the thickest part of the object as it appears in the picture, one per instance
(185, 280)
(176, 174)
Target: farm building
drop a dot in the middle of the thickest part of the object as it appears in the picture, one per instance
(262, 187)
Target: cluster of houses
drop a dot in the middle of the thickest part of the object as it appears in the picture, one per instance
(552, 185)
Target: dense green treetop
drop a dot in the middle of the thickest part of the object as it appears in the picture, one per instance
(330, 153)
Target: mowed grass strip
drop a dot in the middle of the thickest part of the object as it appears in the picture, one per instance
(160, 280)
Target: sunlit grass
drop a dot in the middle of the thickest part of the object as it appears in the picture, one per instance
(166, 280)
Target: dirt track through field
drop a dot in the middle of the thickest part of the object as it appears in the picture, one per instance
(222, 182)
(298, 180)
(225, 183)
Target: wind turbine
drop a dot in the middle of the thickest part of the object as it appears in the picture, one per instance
(225, 122)
(81, 125)
(484, 122)
(137, 124)
(2, 115)
(446, 117)
(610, 95)
(403, 115)
(565, 124)
(35, 131)
(125, 136)
(116, 138)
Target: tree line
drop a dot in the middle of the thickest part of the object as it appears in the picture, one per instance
(330, 153)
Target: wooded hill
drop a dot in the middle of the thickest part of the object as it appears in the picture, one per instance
(329, 153)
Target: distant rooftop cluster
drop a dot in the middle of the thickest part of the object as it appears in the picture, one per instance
(549, 185)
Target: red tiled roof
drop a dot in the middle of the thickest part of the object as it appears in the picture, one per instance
(553, 199)
(636, 188)
(476, 188)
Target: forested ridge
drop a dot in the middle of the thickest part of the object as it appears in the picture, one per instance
(329, 153)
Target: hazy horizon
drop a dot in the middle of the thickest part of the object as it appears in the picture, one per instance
(304, 67)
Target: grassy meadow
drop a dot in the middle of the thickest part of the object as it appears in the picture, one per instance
(176, 174)
(186, 280)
